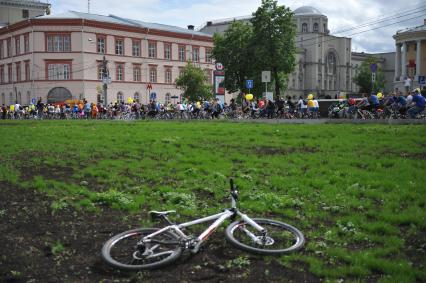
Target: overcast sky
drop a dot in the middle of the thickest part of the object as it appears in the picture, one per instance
(342, 14)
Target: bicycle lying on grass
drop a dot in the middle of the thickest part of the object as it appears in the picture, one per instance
(149, 248)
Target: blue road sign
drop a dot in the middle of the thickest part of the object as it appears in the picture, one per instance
(422, 80)
(373, 67)
(33, 100)
(249, 84)
(153, 96)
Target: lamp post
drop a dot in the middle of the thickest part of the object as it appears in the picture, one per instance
(105, 80)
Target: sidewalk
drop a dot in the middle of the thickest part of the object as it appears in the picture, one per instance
(333, 121)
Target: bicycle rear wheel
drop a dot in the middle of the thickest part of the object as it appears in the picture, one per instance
(280, 237)
(123, 251)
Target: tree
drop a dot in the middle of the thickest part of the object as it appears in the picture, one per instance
(233, 49)
(274, 40)
(193, 82)
(363, 79)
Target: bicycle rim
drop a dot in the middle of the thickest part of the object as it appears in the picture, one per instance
(280, 238)
(122, 251)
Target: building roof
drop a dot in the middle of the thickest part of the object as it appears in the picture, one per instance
(307, 11)
(122, 21)
(229, 20)
(301, 11)
(414, 29)
(24, 3)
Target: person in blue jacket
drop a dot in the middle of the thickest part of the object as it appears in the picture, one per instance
(417, 104)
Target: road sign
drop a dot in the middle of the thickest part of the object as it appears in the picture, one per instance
(373, 77)
(373, 67)
(219, 66)
(422, 80)
(249, 84)
(106, 80)
(153, 96)
(268, 96)
(266, 76)
(33, 100)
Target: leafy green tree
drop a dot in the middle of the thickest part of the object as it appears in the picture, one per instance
(274, 40)
(233, 49)
(193, 83)
(363, 79)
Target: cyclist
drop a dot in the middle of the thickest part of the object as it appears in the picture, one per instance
(233, 108)
(4, 112)
(352, 106)
(302, 106)
(364, 104)
(316, 107)
(374, 101)
(417, 104)
(270, 109)
(279, 104)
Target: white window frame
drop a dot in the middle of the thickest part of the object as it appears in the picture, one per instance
(152, 74)
(152, 49)
(119, 46)
(136, 48)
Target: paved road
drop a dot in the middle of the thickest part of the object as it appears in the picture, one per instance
(333, 121)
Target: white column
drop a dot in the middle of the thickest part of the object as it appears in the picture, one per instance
(404, 60)
(419, 58)
(398, 62)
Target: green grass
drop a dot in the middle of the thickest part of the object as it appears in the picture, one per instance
(356, 191)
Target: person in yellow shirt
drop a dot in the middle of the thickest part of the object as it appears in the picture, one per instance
(311, 105)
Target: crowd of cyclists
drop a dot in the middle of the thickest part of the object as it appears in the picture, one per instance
(395, 105)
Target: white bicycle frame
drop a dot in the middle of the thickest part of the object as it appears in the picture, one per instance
(220, 218)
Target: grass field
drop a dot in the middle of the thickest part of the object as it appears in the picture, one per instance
(358, 192)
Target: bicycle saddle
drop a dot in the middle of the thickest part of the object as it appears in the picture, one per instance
(161, 213)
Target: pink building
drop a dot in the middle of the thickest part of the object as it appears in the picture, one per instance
(59, 57)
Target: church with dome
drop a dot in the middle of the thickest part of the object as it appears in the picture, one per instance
(325, 64)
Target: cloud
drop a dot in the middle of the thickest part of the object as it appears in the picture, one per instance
(341, 15)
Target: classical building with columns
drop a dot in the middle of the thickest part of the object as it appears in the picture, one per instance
(410, 57)
(325, 64)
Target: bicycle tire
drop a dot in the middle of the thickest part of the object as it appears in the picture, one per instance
(108, 250)
(298, 238)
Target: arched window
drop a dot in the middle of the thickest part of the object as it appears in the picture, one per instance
(167, 100)
(315, 27)
(58, 94)
(19, 98)
(325, 28)
(3, 99)
(304, 27)
(136, 97)
(331, 63)
(11, 98)
(120, 97)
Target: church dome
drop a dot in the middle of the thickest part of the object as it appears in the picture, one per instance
(307, 11)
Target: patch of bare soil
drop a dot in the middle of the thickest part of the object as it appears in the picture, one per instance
(41, 245)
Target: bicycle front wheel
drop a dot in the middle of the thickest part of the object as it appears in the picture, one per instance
(279, 238)
(126, 252)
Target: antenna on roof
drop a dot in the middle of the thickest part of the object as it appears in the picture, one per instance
(88, 6)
